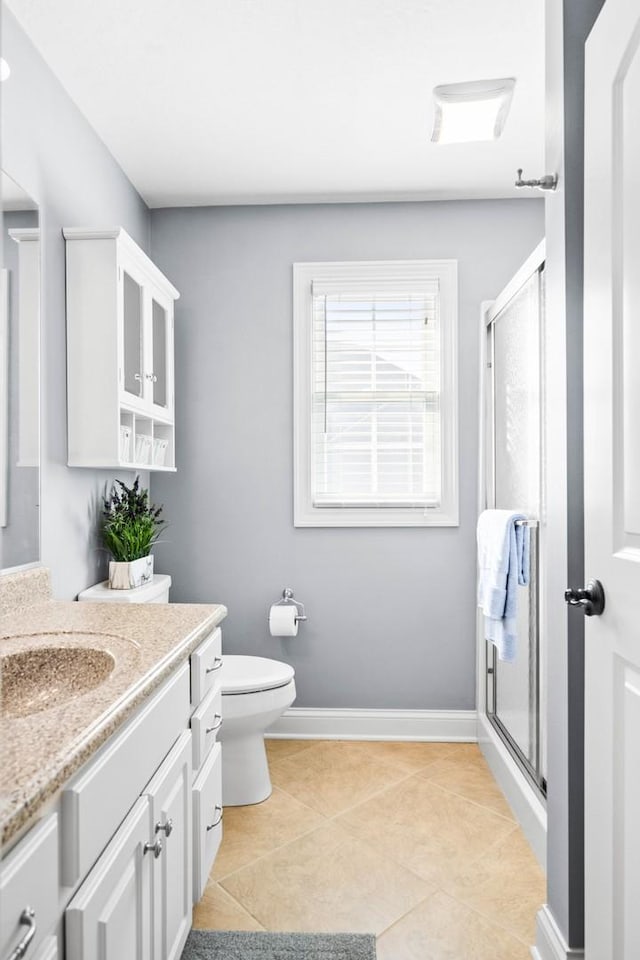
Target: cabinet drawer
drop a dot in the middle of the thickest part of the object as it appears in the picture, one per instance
(207, 819)
(205, 724)
(98, 798)
(205, 664)
(29, 878)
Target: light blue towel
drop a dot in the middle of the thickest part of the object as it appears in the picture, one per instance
(503, 562)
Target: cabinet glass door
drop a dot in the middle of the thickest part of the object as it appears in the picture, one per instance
(133, 336)
(160, 371)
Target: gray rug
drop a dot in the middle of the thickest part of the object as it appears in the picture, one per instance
(237, 945)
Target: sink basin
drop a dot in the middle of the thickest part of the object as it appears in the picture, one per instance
(44, 677)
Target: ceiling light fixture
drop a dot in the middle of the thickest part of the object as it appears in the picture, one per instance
(5, 70)
(467, 112)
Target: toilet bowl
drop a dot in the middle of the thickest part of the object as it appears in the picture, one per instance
(255, 692)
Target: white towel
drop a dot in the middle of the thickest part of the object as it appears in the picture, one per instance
(503, 562)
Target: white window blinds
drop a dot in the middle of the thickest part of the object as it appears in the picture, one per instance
(375, 405)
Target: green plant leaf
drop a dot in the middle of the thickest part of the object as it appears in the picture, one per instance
(131, 524)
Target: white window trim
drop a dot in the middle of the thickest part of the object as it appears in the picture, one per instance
(349, 273)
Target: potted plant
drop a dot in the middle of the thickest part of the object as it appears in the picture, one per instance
(130, 527)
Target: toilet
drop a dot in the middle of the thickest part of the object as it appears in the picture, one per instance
(255, 692)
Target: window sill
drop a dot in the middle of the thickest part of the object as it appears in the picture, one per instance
(326, 517)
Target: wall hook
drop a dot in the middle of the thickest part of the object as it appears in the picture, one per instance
(548, 182)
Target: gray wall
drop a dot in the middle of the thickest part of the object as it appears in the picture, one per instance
(391, 611)
(568, 24)
(52, 152)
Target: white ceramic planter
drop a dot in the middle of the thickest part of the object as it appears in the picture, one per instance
(127, 576)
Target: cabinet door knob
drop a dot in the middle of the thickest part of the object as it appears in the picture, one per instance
(155, 848)
(167, 827)
(27, 919)
(152, 377)
(218, 809)
(218, 718)
(217, 663)
(137, 377)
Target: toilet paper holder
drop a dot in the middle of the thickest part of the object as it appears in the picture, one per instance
(287, 599)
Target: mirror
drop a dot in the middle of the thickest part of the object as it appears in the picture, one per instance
(19, 377)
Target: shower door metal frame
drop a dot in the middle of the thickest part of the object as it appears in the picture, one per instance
(533, 771)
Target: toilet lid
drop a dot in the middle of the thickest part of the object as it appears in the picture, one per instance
(251, 674)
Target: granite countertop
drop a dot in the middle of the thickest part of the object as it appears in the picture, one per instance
(40, 751)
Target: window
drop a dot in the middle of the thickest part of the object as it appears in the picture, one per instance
(375, 393)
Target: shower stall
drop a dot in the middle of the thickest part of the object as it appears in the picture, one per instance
(512, 695)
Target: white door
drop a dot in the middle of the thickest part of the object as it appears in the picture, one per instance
(612, 481)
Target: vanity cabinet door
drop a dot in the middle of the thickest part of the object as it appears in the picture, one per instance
(110, 916)
(169, 794)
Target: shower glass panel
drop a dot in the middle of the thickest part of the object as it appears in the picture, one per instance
(514, 483)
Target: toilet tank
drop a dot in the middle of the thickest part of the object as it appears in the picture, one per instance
(156, 591)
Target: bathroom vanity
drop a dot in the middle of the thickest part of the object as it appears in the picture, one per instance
(110, 810)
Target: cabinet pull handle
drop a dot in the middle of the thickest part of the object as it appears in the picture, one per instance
(217, 725)
(27, 919)
(219, 820)
(155, 848)
(167, 827)
(137, 377)
(217, 663)
(152, 377)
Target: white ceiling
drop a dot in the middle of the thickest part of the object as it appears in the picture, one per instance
(244, 101)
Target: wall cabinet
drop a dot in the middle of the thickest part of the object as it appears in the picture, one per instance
(120, 350)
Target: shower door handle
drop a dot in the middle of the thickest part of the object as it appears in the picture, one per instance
(590, 598)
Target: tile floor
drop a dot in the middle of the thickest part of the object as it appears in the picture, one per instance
(411, 841)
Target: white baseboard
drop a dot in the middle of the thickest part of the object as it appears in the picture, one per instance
(526, 803)
(550, 943)
(347, 724)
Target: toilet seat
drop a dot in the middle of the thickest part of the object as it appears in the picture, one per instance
(240, 674)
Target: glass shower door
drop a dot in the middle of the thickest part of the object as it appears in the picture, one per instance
(514, 483)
